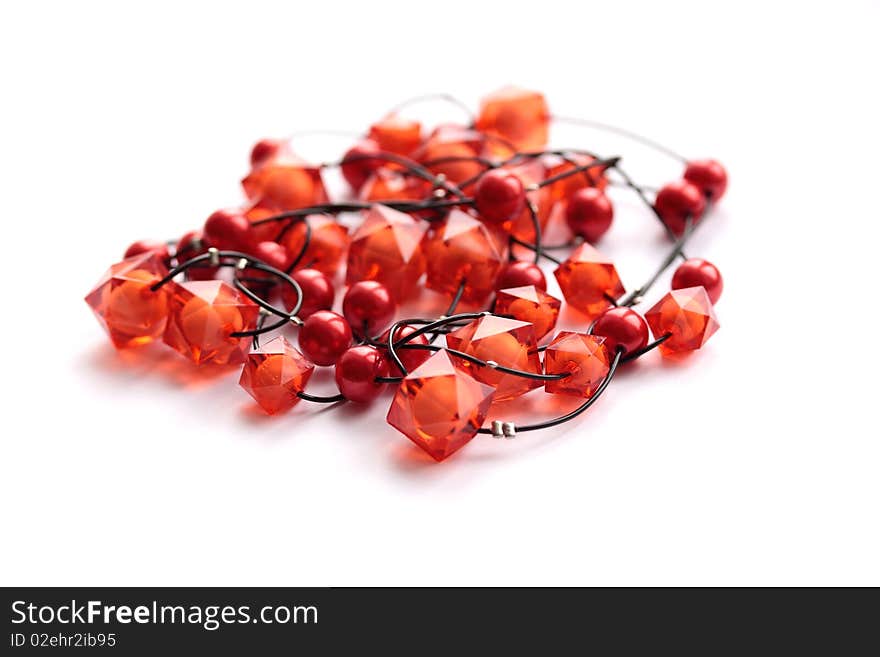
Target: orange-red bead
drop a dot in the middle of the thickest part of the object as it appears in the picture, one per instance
(583, 356)
(439, 407)
(130, 312)
(461, 249)
(687, 316)
(396, 134)
(387, 248)
(274, 374)
(529, 304)
(327, 246)
(589, 281)
(565, 187)
(508, 342)
(450, 151)
(284, 183)
(518, 116)
(202, 317)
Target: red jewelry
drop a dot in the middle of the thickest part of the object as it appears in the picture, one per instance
(454, 210)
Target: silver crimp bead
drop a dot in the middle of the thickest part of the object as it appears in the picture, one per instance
(508, 429)
(213, 256)
(497, 429)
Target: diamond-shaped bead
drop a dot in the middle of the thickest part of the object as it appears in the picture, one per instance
(588, 280)
(130, 312)
(387, 185)
(687, 315)
(508, 342)
(387, 248)
(285, 182)
(584, 356)
(327, 244)
(529, 304)
(439, 407)
(565, 187)
(396, 134)
(464, 249)
(517, 116)
(274, 374)
(202, 317)
(450, 151)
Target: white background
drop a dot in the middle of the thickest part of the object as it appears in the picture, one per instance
(756, 462)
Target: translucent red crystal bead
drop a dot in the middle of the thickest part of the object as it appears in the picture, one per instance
(687, 316)
(529, 304)
(274, 374)
(589, 281)
(517, 116)
(285, 182)
(583, 357)
(327, 243)
(439, 407)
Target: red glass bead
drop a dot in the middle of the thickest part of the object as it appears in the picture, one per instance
(450, 151)
(499, 196)
(520, 274)
(317, 292)
(589, 281)
(263, 232)
(694, 272)
(517, 116)
(326, 247)
(508, 342)
(187, 248)
(622, 327)
(130, 312)
(531, 172)
(356, 372)
(709, 176)
(464, 249)
(270, 253)
(267, 149)
(387, 248)
(411, 358)
(529, 304)
(439, 407)
(285, 182)
(274, 374)
(356, 167)
(396, 134)
(202, 317)
(589, 213)
(228, 230)
(687, 316)
(677, 202)
(565, 187)
(584, 356)
(324, 336)
(148, 246)
(369, 307)
(387, 185)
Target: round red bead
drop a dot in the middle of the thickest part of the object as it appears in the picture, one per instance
(521, 274)
(228, 230)
(589, 213)
(411, 358)
(499, 196)
(272, 254)
(265, 150)
(187, 248)
(677, 202)
(360, 167)
(147, 246)
(695, 272)
(356, 372)
(317, 292)
(622, 327)
(324, 336)
(709, 176)
(368, 306)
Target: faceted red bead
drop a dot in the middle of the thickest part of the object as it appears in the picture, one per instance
(202, 317)
(584, 356)
(694, 272)
(588, 280)
(450, 151)
(317, 292)
(565, 187)
(261, 232)
(520, 273)
(274, 373)
(324, 336)
(326, 247)
(356, 167)
(266, 149)
(285, 182)
(529, 304)
(687, 316)
(228, 230)
(622, 327)
(356, 373)
(531, 172)
(589, 214)
(709, 176)
(499, 196)
(387, 248)
(463, 249)
(130, 312)
(439, 407)
(517, 116)
(368, 307)
(389, 185)
(677, 202)
(411, 358)
(508, 342)
(396, 134)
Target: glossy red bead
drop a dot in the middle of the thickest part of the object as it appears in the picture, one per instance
(622, 327)
(677, 202)
(709, 176)
(356, 373)
(272, 254)
(687, 316)
(317, 292)
(589, 213)
(324, 337)
(148, 246)
(695, 272)
(411, 358)
(368, 306)
(187, 248)
(266, 149)
(499, 196)
(360, 168)
(521, 274)
(228, 230)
